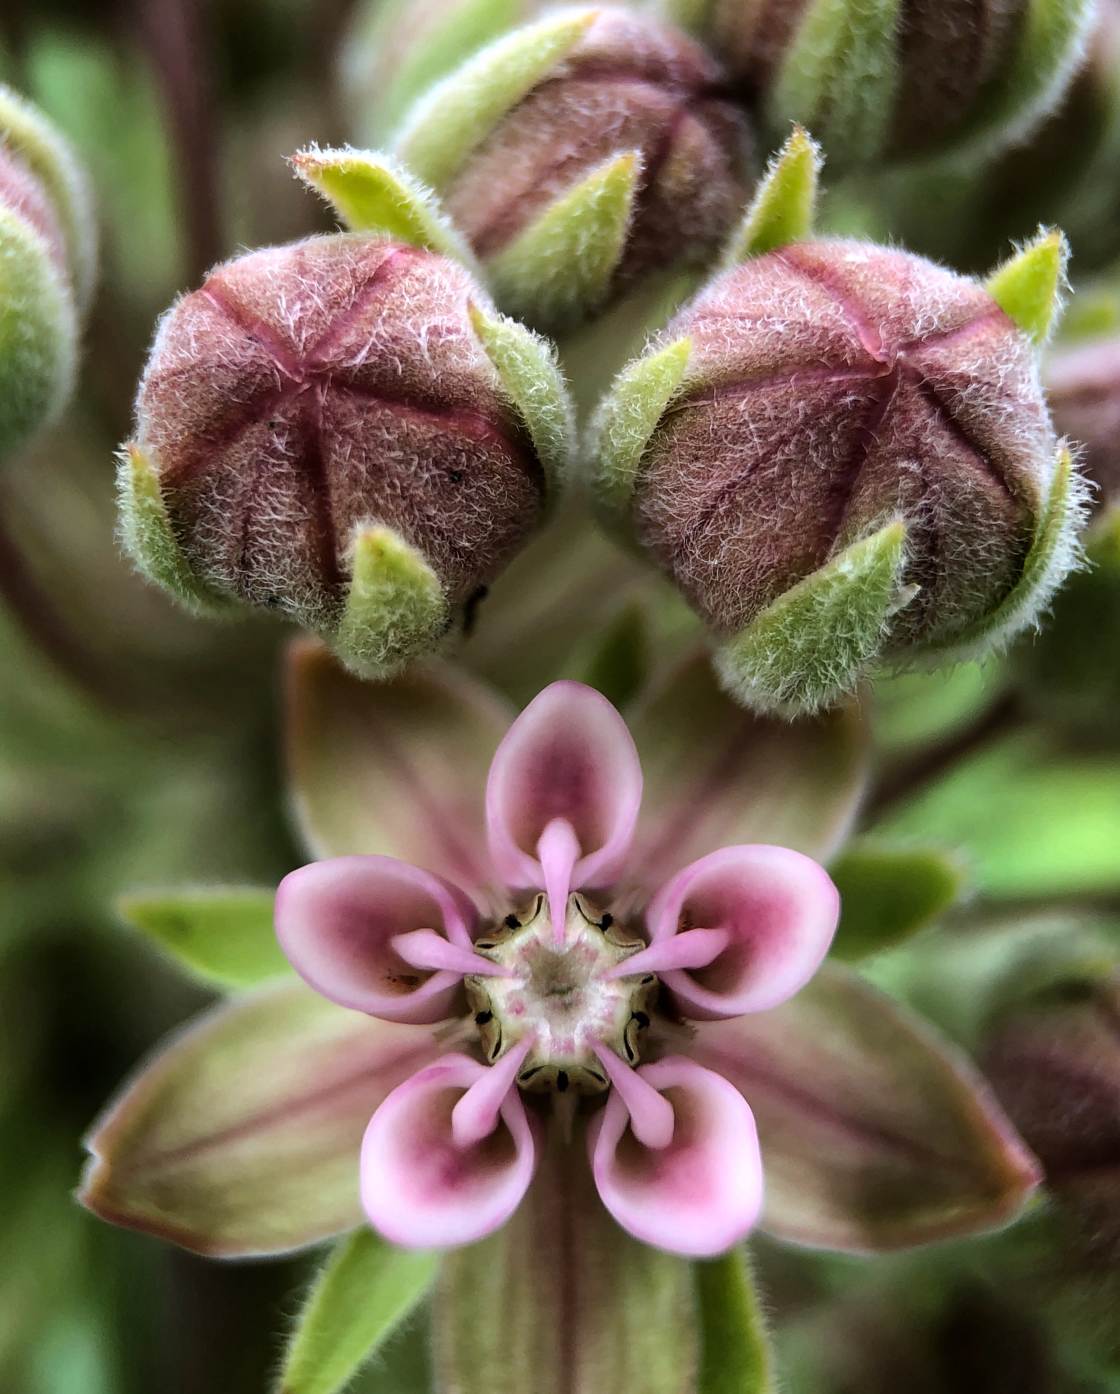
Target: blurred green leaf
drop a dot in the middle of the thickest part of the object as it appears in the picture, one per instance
(889, 893)
(365, 1291)
(223, 935)
(735, 1354)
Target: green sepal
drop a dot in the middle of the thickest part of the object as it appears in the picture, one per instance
(221, 935)
(735, 1351)
(785, 203)
(808, 648)
(1028, 286)
(1055, 551)
(362, 1295)
(560, 268)
(41, 147)
(38, 334)
(146, 532)
(839, 76)
(628, 417)
(457, 114)
(691, 15)
(531, 377)
(889, 893)
(395, 607)
(371, 192)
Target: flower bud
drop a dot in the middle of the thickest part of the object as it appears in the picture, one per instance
(582, 153)
(394, 49)
(45, 271)
(877, 81)
(1083, 387)
(340, 430)
(840, 452)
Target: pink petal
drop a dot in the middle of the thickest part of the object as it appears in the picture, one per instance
(336, 921)
(568, 756)
(703, 1192)
(780, 910)
(419, 1187)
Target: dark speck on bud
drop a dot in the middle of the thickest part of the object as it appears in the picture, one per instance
(322, 431)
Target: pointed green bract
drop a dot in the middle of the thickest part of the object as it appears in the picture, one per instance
(363, 1294)
(373, 193)
(531, 376)
(808, 647)
(1054, 552)
(628, 418)
(148, 537)
(1028, 287)
(395, 607)
(460, 112)
(562, 265)
(735, 1352)
(784, 205)
(889, 893)
(840, 73)
(222, 935)
(38, 334)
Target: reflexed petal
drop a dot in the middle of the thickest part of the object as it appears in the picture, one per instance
(242, 1135)
(336, 921)
(397, 768)
(700, 1194)
(420, 1188)
(570, 757)
(779, 910)
(717, 775)
(876, 1133)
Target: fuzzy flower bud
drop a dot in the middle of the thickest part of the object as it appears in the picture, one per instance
(839, 453)
(341, 431)
(879, 81)
(581, 153)
(46, 267)
(1083, 387)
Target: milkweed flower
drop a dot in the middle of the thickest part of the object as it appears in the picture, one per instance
(578, 981)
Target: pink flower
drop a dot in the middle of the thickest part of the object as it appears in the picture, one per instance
(574, 995)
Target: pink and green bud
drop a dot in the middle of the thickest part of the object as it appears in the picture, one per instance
(341, 431)
(842, 456)
(883, 80)
(581, 154)
(46, 270)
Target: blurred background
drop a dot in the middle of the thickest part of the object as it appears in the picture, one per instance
(139, 748)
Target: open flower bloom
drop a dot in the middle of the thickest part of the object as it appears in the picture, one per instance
(575, 993)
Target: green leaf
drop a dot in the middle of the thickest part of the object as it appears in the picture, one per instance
(560, 268)
(1032, 818)
(735, 1352)
(809, 647)
(373, 193)
(241, 1136)
(395, 607)
(876, 1134)
(363, 1294)
(460, 112)
(784, 205)
(628, 417)
(838, 76)
(1028, 286)
(531, 376)
(562, 1301)
(717, 775)
(889, 893)
(223, 935)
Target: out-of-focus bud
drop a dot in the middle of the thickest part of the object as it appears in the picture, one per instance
(1083, 388)
(395, 49)
(840, 453)
(46, 270)
(343, 431)
(879, 80)
(580, 153)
